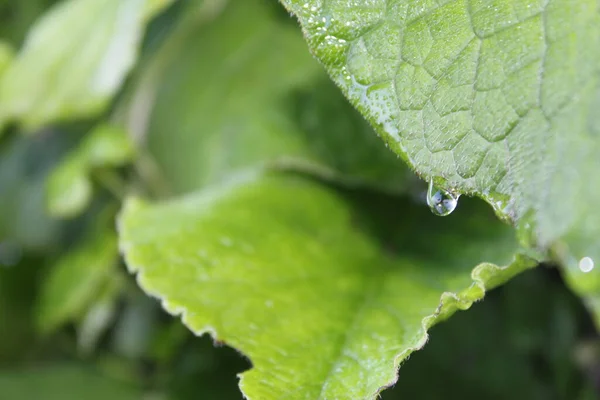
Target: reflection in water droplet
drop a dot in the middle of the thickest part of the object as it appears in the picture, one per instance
(586, 264)
(441, 202)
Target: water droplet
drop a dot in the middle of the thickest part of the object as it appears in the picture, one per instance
(586, 264)
(441, 202)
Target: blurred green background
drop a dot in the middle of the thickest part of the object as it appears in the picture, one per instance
(74, 325)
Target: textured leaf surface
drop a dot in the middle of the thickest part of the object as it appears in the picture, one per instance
(325, 297)
(63, 382)
(257, 97)
(495, 98)
(52, 78)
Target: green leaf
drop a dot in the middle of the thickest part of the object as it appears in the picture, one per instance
(6, 56)
(74, 60)
(70, 187)
(99, 315)
(17, 287)
(254, 98)
(524, 333)
(18, 16)
(76, 280)
(494, 98)
(108, 146)
(326, 293)
(584, 282)
(24, 166)
(63, 382)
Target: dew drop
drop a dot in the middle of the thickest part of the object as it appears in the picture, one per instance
(441, 202)
(586, 264)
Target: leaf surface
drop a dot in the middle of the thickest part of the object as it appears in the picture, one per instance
(531, 322)
(256, 98)
(325, 294)
(498, 99)
(54, 78)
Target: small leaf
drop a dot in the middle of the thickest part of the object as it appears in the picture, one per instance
(99, 315)
(70, 188)
(76, 279)
(63, 382)
(325, 292)
(498, 99)
(73, 61)
(108, 146)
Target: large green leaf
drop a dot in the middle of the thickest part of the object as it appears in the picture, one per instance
(74, 59)
(325, 292)
(253, 97)
(524, 333)
(495, 98)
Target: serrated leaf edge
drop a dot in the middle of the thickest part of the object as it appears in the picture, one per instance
(482, 275)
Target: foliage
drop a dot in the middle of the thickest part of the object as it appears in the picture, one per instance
(247, 195)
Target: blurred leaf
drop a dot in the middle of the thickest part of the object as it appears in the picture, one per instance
(74, 60)
(133, 332)
(108, 146)
(586, 284)
(63, 382)
(154, 7)
(70, 189)
(99, 316)
(17, 292)
(76, 280)
(250, 99)
(18, 16)
(6, 56)
(325, 295)
(517, 335)
(24, 165)
(168, 341)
